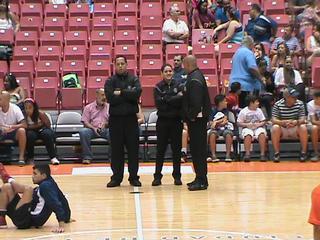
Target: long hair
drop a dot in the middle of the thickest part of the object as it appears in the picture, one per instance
(232, 13)
(6, 3)
(35, 114)
(13, 84)
(286, 49)
(288, 75)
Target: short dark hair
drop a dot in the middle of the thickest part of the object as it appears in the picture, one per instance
(251, 99)
(316, 94)
(218, 99)
(121, 56)
(256, 7)
(165, 65)
(43, 169)
(235, 87)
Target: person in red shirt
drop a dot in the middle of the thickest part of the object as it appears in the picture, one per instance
(233, 97)
(314, 217)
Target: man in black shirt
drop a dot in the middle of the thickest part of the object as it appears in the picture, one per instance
(196, 109)
(123, 91)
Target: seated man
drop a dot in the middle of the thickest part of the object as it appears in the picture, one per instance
(288, 119)
(95, 118)
(314, 116)
(12, 124)
(27, 206)
(175, 30)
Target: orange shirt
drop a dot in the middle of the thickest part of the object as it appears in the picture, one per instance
(314, 217)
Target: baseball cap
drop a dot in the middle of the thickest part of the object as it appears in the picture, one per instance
(293, 92)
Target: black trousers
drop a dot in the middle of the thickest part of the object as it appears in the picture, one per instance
(198, 147)
(46, 135)
(169, 129)
(124, 132)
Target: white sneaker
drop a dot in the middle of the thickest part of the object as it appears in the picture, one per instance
(55, 161)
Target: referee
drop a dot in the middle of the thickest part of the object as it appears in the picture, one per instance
(196, 109)
(168, 100)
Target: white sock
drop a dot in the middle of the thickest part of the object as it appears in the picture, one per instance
(10, 180)
(184, 150)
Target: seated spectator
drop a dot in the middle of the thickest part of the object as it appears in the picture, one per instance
(221, 12)
(287, 76)
(309, 16)
(175, 30)
(38, 127)
(260, 53)
(17, 93)
(290, 40)
(279, 59)
(8, 20)
(95, 119)
(288, 119)
(179, 74)
(233, 28)
(314, 117)
(313, 44)
(252, 121)
(12, 124)
(203, 17)
(262, 28)
(233, 97)
(184, 145)
(220, 125)
(267, 96)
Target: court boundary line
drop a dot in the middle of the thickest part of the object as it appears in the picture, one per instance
(137, 203)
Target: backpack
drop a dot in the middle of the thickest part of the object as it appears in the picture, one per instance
(5, 52)
(71, 80)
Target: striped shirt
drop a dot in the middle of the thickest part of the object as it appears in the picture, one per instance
(282, 112)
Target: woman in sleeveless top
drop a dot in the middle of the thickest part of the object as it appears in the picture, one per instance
(7, 19)
(17, 94)
(313, 44)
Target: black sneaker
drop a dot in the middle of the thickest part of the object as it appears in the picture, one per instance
(113, 183)
(190, 183)
(135, 183)
(177, 182)
(246, 158)
(303, 157)
(276, 157)
(156, 182)
(197, 186)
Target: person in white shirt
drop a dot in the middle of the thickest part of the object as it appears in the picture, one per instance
(175, 30)
(12, 124)
(314, 117)
(252, 121)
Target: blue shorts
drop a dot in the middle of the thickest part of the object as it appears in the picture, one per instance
(8, 136)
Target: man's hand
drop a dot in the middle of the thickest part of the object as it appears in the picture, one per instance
(7, 129)
(59, 229)
(96, 131)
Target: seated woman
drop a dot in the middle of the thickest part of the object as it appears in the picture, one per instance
(279, 59)
(38, 127)
(233, 28)
(260, 53)
(313, 44)
(309, 16)
(17, 93)
(8, 20)
(203, 17)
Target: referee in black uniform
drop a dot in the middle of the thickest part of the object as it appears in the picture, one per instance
(123, 91)
(168, 100)
(196, 109)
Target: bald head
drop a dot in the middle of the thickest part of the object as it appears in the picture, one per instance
(190, 63)
(4, 99)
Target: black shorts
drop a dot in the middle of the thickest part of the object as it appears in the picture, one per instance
(20, 217)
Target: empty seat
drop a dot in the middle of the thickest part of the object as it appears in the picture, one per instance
(31, 10)
(126, 37)
(75, 53)
(103, 10)
(79, 10)
(208, 66)
(14, 8)
(31, 24)
(99, 68)
(26, 38)
(79, 24)
(101, 38)
(226, 50)
(176, 49)
(50, 53)
(274, 7)
(51, 38)
(26, 83)
(127, 23)
(151, 67)
(22, 68)
(151, 37)
(102, 23)
(55, 10)
(202, 36)
(48, 69)
(100, 52)
(151, 9)
(77, 67)
(55, 24)
(25, 53)
(46, 91)
(7, 36)
(76, 38)
(151, 22)
(204, 51)
(151, 51)
(130, 51)
(127, 9)
(226, 66)
(281, 19)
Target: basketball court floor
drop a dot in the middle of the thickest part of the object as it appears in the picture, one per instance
(244, 201)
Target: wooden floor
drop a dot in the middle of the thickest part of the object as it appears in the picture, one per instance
(237, 205)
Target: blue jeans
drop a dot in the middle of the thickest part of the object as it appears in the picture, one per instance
(86, 134)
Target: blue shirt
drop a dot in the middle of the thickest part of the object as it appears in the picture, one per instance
(242, 61)
(222, 16)
(261, 28)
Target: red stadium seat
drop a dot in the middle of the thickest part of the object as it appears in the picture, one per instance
(76, 38)
(26, 38)
(3, 71)
(127, 23)
(126, 37)
(79, 24)
(127, 9)
(176, 49)
(102, 23)
(226, 50)
(22, 68)
(198, 35)
(14, 8)
(245, 6)
(281, 19)
(130, 51)
(103, 10)
(7, 36)
(151, 67)
(316, 72)
(94, 83)
(100, 52)
(45, 92)
(26, 84)
(208, 66)
(75, 53)
(31, 10)
(245, 19)
(104, 1)
(25, 53)
(204, 51)
(50, 53)
(101, 38)
(79, 10)
(151, 51)
(226, 66)
(31, 24)
(99, 68)
(71, 98)
(151, 37)
(280, 31)
(55, 10)
(151, 22)
(48, 69)
(55, 24)
(77, 67)
(42, 2)
(212, 80)
(274, 7)
(51, 38)
(151, 9)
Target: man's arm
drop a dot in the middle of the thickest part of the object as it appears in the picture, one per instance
(195, 101)
(110, 93)
(134, 93)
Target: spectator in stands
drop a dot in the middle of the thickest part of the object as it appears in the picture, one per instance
(8, 20)
(123, 92)
(175, 30)
(310, 16)
(233, 97)
(267, 96)
(168, 99)
(290, 40)
(279, 59)
(260, 53)
(38, 127)
(262, 28)
(221, 12)
(234, 30)
(184, 146)
(220, 125)
(313, 44)
(17, 93)
(252, 121)
(203, 17)
(314, 117)
(95, 118)
(245, 70)
(288, 119)
(297, 6)
(12, 124)
(179, 74)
